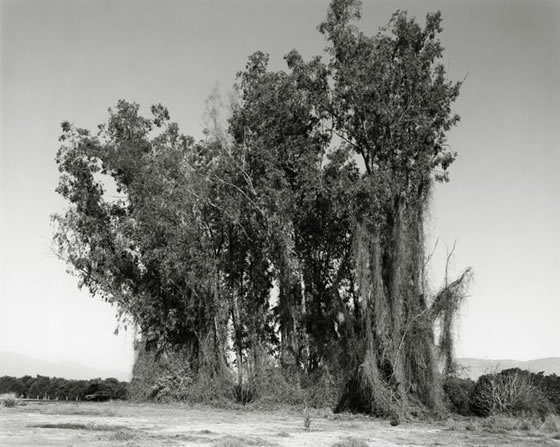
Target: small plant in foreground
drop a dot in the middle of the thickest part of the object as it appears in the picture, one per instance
(551, 424)
(452, 425)
(8, 400)
(306, 418)
(470, 426)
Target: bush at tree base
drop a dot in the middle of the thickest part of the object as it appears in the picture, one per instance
(550, 386)
(512, 391)
(167, 378)
(458, 392)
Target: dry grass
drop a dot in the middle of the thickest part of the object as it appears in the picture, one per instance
(87, 427)
(69, 410)
(122, 435)
(502, 424)
(205, 432)
(452, 425)
(552, 424)
(8, 400)
(230, 441)
(350, 442)
(147, 425)
(283, 434)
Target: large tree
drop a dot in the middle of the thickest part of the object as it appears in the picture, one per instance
(391, 103)
(140, 228)
(319, 186)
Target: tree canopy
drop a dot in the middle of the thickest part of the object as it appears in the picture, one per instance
(291, 241)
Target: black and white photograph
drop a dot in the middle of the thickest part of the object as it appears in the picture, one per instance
(233, 223)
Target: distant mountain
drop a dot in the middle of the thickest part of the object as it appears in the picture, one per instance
(474, 368)
(18, 365)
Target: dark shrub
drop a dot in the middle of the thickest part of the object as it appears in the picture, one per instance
(511, 391)
(44, 387)
(550, 386)
(458, 392)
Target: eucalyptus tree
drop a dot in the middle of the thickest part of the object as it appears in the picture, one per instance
(387, 99)
(300, 182)
(140, 231)
(320, 185)
(391, 103)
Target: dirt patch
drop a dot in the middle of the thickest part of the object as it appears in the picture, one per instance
(146, 425)
(70, 426)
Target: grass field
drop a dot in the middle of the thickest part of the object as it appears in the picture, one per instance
(143, 425)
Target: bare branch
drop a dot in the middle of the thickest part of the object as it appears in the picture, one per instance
(448, 260)
(449, 292)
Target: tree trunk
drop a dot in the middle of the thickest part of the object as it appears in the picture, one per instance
(398, 292)
(238, 339)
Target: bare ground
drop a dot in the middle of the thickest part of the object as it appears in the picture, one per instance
(143, 425)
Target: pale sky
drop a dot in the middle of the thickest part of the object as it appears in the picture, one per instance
(71, 60)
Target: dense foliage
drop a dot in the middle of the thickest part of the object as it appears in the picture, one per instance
(516, 392)
(458, 392)
(550, 387)
(43, 387)
(291, 244)
(511, 391)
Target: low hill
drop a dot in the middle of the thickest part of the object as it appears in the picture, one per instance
(18, 365)
(474, 368)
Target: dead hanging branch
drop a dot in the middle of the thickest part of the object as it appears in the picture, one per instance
(450, 295)
(444, 308)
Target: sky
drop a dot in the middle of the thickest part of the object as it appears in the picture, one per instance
(71, 60)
